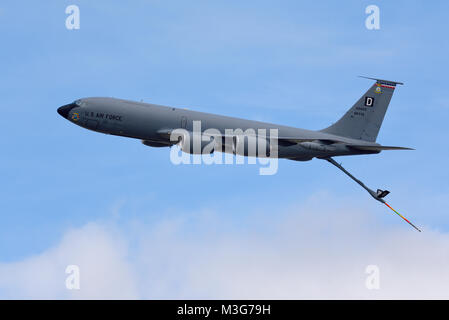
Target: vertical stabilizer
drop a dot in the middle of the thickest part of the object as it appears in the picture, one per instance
(364, 119)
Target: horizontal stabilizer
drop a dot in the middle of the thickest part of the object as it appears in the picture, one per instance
(383, 81)
(377, 148)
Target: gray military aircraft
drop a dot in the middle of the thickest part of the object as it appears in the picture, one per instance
(353, 134)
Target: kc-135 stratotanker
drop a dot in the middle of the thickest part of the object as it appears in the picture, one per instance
(354, 133)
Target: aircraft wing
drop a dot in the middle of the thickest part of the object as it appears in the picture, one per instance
(287, 141)
(377, 148)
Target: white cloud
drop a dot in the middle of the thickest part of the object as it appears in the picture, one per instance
(98, 250)
(311, 250)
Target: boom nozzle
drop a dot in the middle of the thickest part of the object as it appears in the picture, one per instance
(382, 193)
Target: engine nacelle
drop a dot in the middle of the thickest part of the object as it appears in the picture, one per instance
(239, 144)
(245, 145)
(317, 146)
(155, 144)
(192, 143)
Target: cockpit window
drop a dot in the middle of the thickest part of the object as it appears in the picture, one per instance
(78, 103)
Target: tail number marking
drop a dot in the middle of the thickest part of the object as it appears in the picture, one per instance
(369, 101)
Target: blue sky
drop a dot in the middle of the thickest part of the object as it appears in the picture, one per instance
(289, 62)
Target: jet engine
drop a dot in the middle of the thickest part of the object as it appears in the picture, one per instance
(245, 145)
(195, 144)
(317, 146)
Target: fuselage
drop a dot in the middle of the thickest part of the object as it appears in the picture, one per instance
(146, 122)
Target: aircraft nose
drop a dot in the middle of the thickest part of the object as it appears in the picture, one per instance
(64, 110)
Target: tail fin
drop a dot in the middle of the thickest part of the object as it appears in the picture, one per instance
(364, 119)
